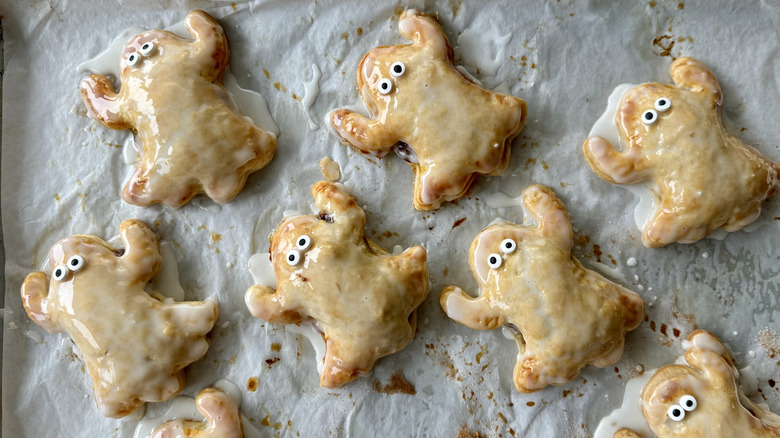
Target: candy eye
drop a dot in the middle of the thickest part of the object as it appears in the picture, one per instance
(662, 104)
(133, 58)
(494, 261)
(293, 257)
(508, 246)
(676, 413)
(649, 117)
(147, 48)
(397, 69)
(60, 273)
(688, 402)
(385, 86)
(75, 263)
(303, 243)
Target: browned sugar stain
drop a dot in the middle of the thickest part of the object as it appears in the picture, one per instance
(530, 403)
(276, 346)
(597, 252)
(464, 432)
(398, 385)
(458, 222)
(272, 361)
(251, 384)
(666, 44)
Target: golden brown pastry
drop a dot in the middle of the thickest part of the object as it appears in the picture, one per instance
(222, 419)
(329, 273)
(702, 177)
(701, 399)
(134, 346)
(195, 140)
(448, 128)
(564, 316)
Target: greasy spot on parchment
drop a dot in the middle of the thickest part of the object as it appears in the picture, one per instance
(251, 384)
(398, 385)
(464, 432)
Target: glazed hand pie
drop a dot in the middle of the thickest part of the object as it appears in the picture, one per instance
(563, 316)
(701, 397)
(672, 137)
(222, 419)
(134, 346)
(362, 299)
(448, 128)
(194, 138)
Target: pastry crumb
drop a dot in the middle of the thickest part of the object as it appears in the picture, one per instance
(330, 169)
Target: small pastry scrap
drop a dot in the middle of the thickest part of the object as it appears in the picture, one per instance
(448, 128)
(222, 419)
(563, 315)
(330, 274)
(702, 177)
(134, 346)
(701, 397)
(195, 140)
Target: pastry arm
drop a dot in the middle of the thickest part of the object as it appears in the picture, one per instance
(103, 103)
(211, 42)
(35, 298)
(368, 136)
(548, 211)
(264, 303)
(424, 30)
(612, 165)
(343, 210)
(220, 412)
(476, 313)
(696, 76)
(142, 256)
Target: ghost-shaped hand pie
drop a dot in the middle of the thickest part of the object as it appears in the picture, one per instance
(700, 398)
(134, 346)
(219, 410)
(563, 316)
(448, 128)
(701, 177)
(194, 138)
(362, 299)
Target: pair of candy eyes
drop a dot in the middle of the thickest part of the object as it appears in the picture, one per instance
(651, 116)
(296, 255)
(146, 50)
(74, 264)
(508, 246)
(397, 69)
(677, 412)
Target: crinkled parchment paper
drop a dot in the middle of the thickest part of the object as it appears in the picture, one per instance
(62, 173)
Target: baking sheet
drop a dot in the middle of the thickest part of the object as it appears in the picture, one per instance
(62, 174)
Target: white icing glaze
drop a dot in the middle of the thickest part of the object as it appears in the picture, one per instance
(167, 280)
(262, 269)
(748, 381)
(291, 213)
(631, 262)
(231, 389)
(477, 50)
(398, 250)
(131, 150)
(629, 414)
(310, 332)
(502, 200)
(605, 125)
(311, 91)
(183, 407)
(34, 336)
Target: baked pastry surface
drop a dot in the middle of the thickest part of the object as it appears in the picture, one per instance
(362, 299)
(672, 137)
(134, 346)
(195, 140)
(563, 315)
(701, 397)
(222, 419)
(448, 128)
